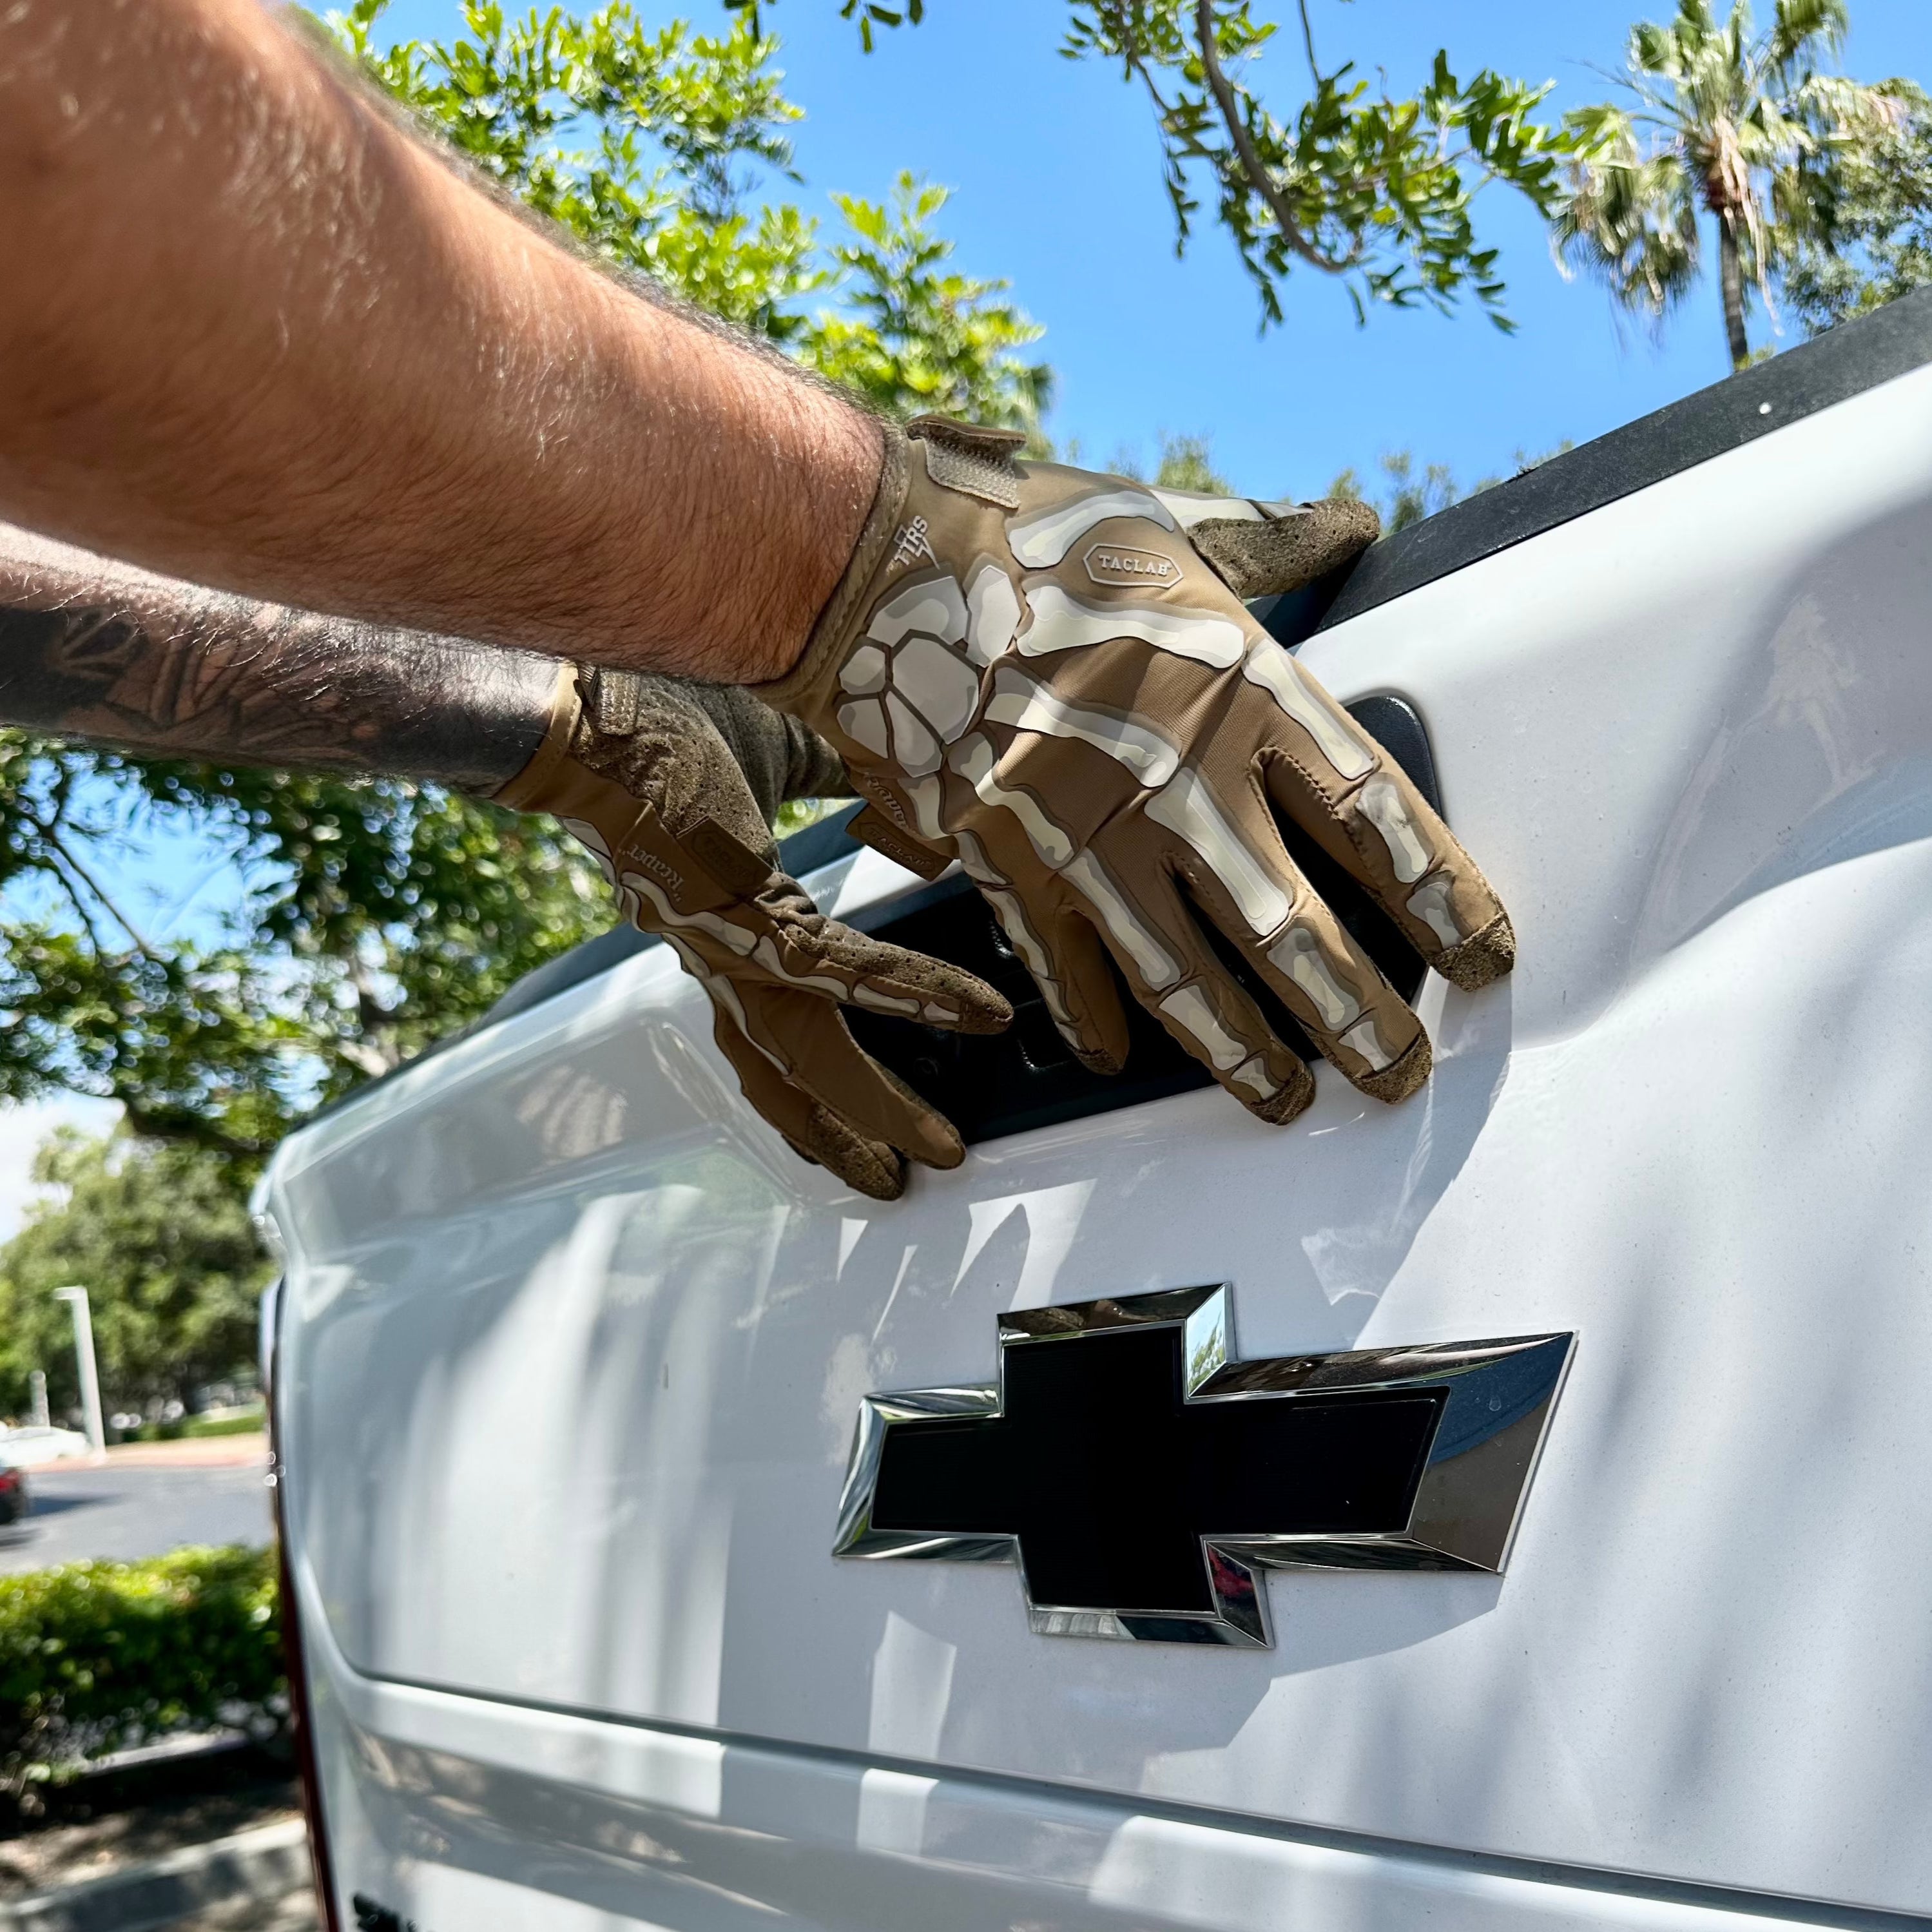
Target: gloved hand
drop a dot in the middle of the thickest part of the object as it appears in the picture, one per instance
(1051, 675)
(672, 785)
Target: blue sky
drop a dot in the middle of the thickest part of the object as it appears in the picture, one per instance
(1055, 171)
(1056, 183)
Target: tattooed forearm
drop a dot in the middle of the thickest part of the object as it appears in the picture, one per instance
(99, 652)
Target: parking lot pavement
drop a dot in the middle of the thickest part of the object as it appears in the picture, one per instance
(131, 1509)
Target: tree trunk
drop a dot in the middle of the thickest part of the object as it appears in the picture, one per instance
(1730, 275)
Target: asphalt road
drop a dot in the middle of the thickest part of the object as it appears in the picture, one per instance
(133, 1512)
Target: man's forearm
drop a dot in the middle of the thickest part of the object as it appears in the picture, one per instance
(95, 651)
(252, 334)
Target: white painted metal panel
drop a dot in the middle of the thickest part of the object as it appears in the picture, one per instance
(573, 1346)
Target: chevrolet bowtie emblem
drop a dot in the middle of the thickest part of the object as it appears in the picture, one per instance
(1139, 1476)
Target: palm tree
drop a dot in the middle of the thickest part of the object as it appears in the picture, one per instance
(1744, 128)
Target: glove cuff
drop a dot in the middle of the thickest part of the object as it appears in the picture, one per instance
(832, 632)
(526, 791)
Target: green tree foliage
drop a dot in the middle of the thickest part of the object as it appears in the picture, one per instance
(158, 1234)
(646, 145)
(1719, 121)
(1371, 189)
(372, 916)
(1185, 463)
(639, 142)
(1881, 227)
(368, 918)
(103, 1656)
(1409, 491)
(918, 338)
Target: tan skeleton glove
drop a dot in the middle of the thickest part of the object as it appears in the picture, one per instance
(672, 785)
(1051, 675)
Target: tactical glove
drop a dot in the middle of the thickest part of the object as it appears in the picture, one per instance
(672, 786)
(1051, 675)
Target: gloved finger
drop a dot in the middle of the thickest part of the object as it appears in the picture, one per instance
(1333, 780)
(1068, 963)
(1263, 904)
(1258, 550)
(1087, 1007)
(800, 1067)
(825, 956)
(809, 1041)
(811, 1129)
(1179, 981)
(869, 1167)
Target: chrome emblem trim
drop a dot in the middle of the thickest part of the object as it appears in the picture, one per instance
(1494, 1399)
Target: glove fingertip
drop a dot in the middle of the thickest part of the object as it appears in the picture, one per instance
(987, 1012)
(946, 1158)
(1398, 1081)
(959, 1003)
(868, 1166)
(1295, 1096)
(1094, 1059)
(1282, 553)
(1481, 959)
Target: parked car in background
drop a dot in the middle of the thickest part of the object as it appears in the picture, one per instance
(1336, 1604)
(27, 1447)
(15, 1498)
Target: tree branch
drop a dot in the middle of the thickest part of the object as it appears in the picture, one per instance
(1254, 170)
(81, 910)
(178, 1123)
(93, 885)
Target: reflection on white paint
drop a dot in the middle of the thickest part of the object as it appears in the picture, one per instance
(441, 1895)
(892, 1811)
(912, 1685)
(850, 1377)
(1162, 1870)
(1053, 1219)
(850, 1227)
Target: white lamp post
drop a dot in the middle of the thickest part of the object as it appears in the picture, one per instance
(83, 1355)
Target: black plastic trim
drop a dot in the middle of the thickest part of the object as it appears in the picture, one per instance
(1844, 362)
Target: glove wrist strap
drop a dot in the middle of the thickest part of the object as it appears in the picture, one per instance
(831, 632)
(527, 790)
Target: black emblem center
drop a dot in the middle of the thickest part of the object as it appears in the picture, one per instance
(1111, 1480)
(1138, 1474)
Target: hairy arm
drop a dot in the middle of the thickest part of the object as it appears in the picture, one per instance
(253, 334)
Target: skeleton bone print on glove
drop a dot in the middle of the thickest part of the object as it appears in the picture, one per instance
(656, 777)
(1051, 675)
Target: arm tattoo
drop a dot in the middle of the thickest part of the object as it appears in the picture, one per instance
(97, 651)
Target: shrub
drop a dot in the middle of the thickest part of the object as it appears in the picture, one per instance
(251, 1422)
(100, 1656)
